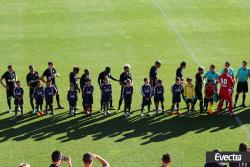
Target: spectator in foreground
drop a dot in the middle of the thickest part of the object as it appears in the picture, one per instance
(215, 164)
(88, 159)
(57, 158)
(166, 160)
(243, 147)
(24, 165)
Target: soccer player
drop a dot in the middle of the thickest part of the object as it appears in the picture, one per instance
(211, 75)
(50, 92)
(179, 71)
(106, 89)
(123, 78)
(209, 94)
(18, 94)
(242, 86)
(226, 85)
(73, 78)
(153, 73)
(102, 75)
(87, 93)
(39, 95)
(189, 94)
(127, 95)
(72, 99)
(159, 96)
(146, 92)
(198, 88)
(84, 78)
(176, 90)
(50, 73)
(10, 81)
(32, 78)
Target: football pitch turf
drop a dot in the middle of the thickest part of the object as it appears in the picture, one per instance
(94, 34)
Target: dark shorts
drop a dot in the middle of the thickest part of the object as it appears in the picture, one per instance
(127, 101)
(158, 99)
(198, 93)
(146, 102)
(72, 103)
(39, 101)
(176, 99)
(189, 100)
(49, 100)
(106, 98)
(31, 92)
(18, 102)
(87, 100)
(242, 87)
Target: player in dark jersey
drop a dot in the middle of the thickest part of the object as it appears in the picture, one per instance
(50, 92)
(87, 93)
(159, 96)
(102, 75)
(18, 94)
(106, 89)
(84, 78)
(72, 99)
(50, 73)
(177, 90)
(32, 78)
(146, 92)
(179, 71)
(153, 73)
(73, 79)
(127, 95)
(39, 95)
(123, 78)
(10, 81)
(198, 88)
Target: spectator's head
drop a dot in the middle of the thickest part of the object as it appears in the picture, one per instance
(18, 83)
(50, 64)
(157, 64)
(126, 67)
(201, 70)
(86, 71)
(177, 80)
(212, 67)
(128, 82)
(10, 68)
(189, 80)
(76, 69)
(183, 65)
(146, 82)
(56, 157)
(227, 64)
(49, 82)
(72, 86)
(243, 147)
(166, 160)
(88, 159)
(107, 69)
(159, 82)
(24, 165)
(244, 64)
(106, 80)
(31, 68)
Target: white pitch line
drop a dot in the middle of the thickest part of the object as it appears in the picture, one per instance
(179, 36)
(191, 54)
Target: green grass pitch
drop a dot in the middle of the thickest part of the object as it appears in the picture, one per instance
(96, 33)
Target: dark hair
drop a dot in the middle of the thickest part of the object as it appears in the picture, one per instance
(50, 63)
(225, 70)
(243, 147)
(126, 67)
(86, 70)
(30, 66)
(56, 156)
(177, 78)
(227, 63)
(189, 79)
(87, 158)
(166, 158)
(145, 79)
(183, 64)
(245, 62)
(212, 65)
(76, 69)
(158, 62)
(209, 81)
(159, 81)
(108, 69)
(10, 66)
(18, 81)
(49, 80)
(200, 68)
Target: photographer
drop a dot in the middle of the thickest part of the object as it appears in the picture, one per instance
(88, 159)
(58, 158)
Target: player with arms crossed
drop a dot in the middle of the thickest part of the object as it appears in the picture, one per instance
(226, 85)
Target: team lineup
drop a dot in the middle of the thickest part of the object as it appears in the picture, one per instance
(151, 90)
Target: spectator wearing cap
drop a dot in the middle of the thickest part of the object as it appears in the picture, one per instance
(125, 75)
(198, 88)
(50, 73)
(57, 158)
(24, 165)
(153, 73)
(101, 77)
(242, 83)
(166, 160)
(179, 71)
(88, 159)
(243, 147)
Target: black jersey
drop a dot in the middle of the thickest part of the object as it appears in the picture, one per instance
(198, 80)
(124, 77)
(10, 78)
(153, 73)
(32, 79)
(50, 73)
(179, 73)
(73, 78)
(83, 80)
(177, 90)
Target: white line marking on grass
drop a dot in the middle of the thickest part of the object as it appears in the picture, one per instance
(191, 53)
(179, 36)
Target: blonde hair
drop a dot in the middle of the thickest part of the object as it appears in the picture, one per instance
(24, 165)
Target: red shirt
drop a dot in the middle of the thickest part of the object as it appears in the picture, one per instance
(209, 90)
(226, 83)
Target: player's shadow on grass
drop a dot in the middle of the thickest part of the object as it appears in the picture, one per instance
(156, 128)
